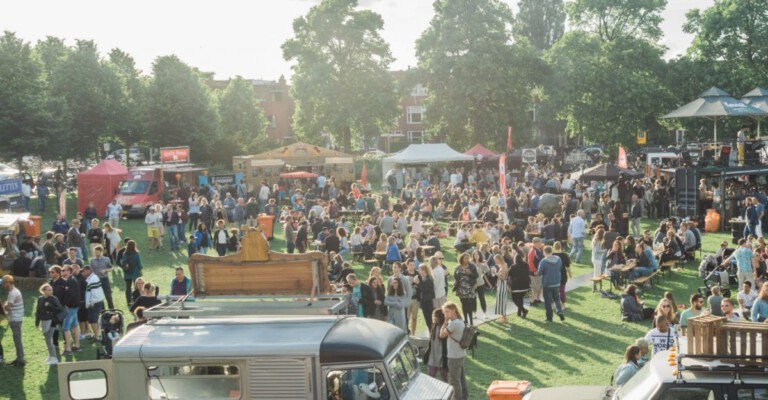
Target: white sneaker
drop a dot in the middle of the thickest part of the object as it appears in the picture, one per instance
(52, 361)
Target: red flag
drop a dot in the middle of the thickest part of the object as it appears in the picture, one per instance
(364, 175)
(503, 175)
(509, 138)
(622, 158)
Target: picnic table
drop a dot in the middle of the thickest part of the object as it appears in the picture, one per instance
(351, 213)
(317, 245)
(624, 270)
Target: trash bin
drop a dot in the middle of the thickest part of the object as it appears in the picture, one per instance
(508, 390)
(267, 223)
(32, 225)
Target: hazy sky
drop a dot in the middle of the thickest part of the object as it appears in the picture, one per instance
(233, 37)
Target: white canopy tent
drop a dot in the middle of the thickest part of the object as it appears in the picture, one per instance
(423, 154)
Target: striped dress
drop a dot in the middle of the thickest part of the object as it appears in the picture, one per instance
(501, 290)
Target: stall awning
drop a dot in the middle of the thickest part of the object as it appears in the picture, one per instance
(267, 163)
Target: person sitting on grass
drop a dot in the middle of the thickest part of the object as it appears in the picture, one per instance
(632, 309)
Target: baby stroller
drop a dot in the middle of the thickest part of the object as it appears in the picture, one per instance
(719, 277)
(112, 328)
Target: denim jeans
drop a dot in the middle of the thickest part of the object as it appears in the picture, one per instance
(578, 248)
(552, 293)
(16, 329)
(173, 237)
(640, 271)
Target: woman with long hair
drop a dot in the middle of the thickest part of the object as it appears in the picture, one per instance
(615, 257)
(377, 289)
(436, 356)
(465, 277)
(481, 283)
(760, 306)
(396, 302)
(665, 308)
(502, 273)
(344, 247)
(629, 367)
(632, 309)
(426, 285)
(132, 267)
(202, 238)
(598, 252)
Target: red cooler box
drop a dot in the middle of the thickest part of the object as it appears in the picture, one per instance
(508, 390)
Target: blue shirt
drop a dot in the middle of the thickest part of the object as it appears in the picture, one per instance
(743, 258)
(357, 295)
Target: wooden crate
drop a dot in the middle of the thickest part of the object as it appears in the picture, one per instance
(712, 335)
(702, 333)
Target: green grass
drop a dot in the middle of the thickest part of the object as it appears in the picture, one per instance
(586, 349)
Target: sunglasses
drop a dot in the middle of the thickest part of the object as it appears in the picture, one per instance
(666, 306)
(440, 258)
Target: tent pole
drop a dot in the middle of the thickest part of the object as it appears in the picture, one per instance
(715, 129)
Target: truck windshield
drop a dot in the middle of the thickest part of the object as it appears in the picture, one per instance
(134, 187)
(639, 387)
(403, 367)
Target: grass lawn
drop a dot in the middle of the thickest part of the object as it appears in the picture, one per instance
(584, 350)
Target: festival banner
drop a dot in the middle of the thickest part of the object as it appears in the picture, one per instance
(622, 162)
(503, 175)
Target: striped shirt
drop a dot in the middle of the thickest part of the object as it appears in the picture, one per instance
(93, 291)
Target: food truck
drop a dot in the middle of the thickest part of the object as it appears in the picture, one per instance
(234, 347)
(151, 184)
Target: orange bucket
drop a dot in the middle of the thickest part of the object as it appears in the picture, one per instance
(508, 390)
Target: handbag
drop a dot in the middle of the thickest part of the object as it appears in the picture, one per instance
(128, 266)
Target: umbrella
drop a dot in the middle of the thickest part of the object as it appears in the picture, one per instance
(757, 98)
(713, 104)
(605, 172)
(298, 175)
(364, 175)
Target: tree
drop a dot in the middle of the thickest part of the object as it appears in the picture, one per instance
(541, 22)
(613, 19)
(81, 81)
(732, 32)
(242, 119)
(22, 99)
(127, 101)
(179, 108)
(607, 91)
(478, 81)
(341, 79)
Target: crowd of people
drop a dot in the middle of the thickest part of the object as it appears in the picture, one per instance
(505, 246)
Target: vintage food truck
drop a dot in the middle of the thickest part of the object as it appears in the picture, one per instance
(231, 342)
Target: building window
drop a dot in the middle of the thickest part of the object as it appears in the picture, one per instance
(277, 96)
(415, 137)
(394, 133)
(272, 121)
(419, 90)
(415, 114)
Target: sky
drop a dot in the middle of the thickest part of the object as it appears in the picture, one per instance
(231, 38)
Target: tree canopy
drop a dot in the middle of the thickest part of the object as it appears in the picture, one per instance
(541, 22)
(341, 79)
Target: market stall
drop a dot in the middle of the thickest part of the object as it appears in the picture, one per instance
(296, 157)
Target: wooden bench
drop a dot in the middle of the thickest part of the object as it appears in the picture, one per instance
(666, 266)
(641, 281)
(597, 283)
(372, 261)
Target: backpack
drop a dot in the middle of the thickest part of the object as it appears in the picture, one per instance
(468, 338)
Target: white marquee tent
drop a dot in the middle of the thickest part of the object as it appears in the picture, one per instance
(423, 154)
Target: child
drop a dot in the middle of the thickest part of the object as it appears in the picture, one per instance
(191, 246)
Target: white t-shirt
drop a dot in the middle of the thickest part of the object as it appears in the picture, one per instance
(153, 220)
(747, 299)
(660, 341)
(221, 237)
(15, 305)
(438, 274)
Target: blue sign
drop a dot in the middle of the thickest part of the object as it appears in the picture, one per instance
(10, 187)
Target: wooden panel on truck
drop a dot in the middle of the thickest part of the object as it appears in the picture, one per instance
(257, 271)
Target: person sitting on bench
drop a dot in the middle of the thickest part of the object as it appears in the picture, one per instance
(646, 262)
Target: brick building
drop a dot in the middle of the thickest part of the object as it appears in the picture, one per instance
(276, 102)
(410, 126)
